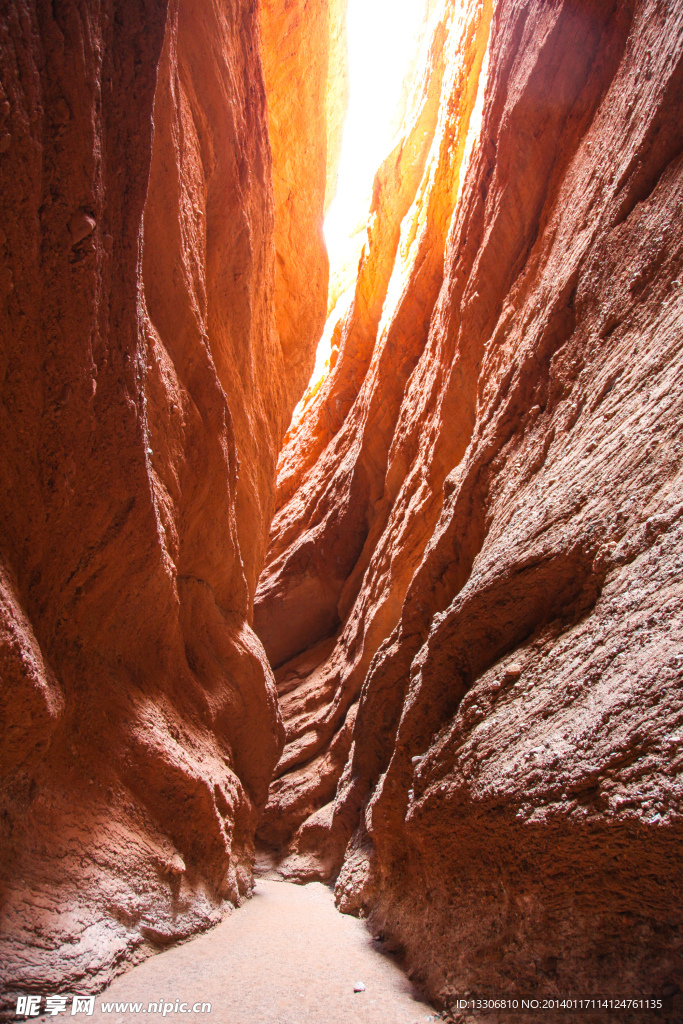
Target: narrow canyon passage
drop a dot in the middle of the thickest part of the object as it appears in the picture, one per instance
(286, 957)
(341, 504)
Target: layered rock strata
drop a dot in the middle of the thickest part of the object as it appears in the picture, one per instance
(144, 394)
(472, 595)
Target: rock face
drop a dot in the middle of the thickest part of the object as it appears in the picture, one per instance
(144, 395)
(305, 67)
(472, 595)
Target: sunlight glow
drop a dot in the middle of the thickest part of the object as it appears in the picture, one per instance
(383, 42)
(414, 220)
(383, 37)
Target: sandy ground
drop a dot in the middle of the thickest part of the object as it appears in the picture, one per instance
(286, 957)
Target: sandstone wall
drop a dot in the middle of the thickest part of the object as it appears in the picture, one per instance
(472, 594)
(144, 395)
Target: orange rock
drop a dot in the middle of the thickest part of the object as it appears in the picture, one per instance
(336, 93)
(305, 66)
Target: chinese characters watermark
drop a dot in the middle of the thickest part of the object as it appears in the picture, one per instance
(30, 1006)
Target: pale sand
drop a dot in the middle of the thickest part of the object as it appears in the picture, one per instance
(286, 957)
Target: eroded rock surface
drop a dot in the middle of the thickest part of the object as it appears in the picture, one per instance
(144, 398)
(473, 580)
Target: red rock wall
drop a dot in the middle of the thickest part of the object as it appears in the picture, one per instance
(144, 395)
(472, 594)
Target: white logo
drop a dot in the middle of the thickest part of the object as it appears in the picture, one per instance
(55, 1005)
(28, 1006)
(83, 1004)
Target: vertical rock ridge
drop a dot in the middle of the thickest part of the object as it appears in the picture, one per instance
(341, 500)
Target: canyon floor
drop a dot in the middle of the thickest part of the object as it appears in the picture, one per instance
(286, 957)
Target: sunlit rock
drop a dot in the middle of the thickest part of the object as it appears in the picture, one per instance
(304, 58)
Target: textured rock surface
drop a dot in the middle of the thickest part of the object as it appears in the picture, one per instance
(473, 580)
(304, 57)
(143, 402)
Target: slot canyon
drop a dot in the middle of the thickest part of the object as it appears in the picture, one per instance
(411, 626)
